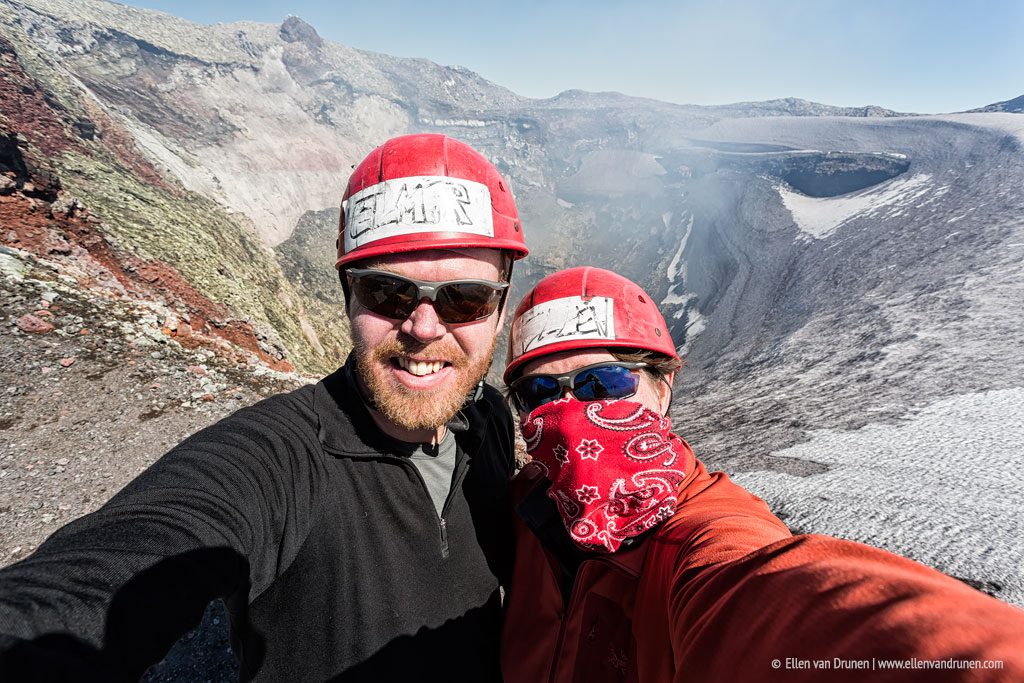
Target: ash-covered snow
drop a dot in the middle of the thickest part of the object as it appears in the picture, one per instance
(943, 486)
(1004, 122)
(819, 217)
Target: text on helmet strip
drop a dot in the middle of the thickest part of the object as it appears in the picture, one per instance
(417, 204)
(564, 319)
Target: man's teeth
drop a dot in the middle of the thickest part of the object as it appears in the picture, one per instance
(420, 368)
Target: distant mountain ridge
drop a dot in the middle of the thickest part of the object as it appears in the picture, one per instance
(1015, 105)
(792, 106)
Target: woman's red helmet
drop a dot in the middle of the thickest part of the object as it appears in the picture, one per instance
(585, 308)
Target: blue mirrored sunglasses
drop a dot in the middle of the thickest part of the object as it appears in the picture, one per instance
(595, 382)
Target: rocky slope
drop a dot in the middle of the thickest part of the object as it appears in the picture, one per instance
(61, 145)
(95, 390)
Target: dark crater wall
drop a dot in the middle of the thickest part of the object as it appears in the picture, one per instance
(832, 174)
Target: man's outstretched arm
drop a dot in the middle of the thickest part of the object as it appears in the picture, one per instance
(107, 595)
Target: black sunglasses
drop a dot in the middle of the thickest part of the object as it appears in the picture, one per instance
(396, 296)
(590, 383)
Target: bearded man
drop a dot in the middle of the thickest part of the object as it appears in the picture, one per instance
(354, 527)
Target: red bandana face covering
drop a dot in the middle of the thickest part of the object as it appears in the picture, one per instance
(614, 467)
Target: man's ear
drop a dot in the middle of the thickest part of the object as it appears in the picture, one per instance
(501, 318)
(345, 290)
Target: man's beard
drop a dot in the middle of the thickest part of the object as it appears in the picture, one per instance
(425, 408)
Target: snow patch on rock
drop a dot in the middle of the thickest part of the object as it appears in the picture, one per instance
(695, 325)
(819, 217)
(673, 298)
(457, 123)
(675, 267)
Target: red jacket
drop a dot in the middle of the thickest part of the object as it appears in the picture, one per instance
(724, 592)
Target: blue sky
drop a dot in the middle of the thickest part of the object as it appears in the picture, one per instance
(908, 55)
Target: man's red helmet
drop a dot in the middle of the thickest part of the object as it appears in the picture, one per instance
(585, 308)
(420, 192)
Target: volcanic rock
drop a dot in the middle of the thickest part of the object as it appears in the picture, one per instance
(33, 325)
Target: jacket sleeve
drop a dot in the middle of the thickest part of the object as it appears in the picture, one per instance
(108, 594)
(770, 615)
(719, 521)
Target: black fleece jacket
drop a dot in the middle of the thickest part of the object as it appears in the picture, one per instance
(319, 535)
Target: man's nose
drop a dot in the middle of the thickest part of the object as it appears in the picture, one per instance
(423, 323)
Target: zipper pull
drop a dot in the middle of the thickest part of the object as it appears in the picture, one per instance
(444, 539)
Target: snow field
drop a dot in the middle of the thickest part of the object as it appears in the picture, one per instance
(944, 487)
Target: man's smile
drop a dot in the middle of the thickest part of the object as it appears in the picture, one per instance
(419, 367)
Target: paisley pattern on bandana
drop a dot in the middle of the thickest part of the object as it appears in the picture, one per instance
(614, 466)
(533, 440)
